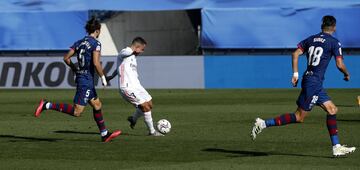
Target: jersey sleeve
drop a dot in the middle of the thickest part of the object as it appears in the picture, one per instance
(126, 52)
(337, 51)
(73, 47)
(97, 47)
(302, 45)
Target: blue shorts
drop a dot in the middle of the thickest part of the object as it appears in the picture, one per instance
(312, 93)
(84, 94)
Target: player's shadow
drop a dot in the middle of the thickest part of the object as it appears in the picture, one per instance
(89, 133)
(237, 152)
(346, 105)
(75, 132)
(24, 138)
(348, 120)
(240, 153)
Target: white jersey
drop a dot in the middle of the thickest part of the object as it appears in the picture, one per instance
(127, 69)
(129, 84)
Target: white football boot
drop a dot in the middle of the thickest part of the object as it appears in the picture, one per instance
(342, 150)
(259, 125)
(156, 133)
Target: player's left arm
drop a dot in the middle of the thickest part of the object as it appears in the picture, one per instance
(337, 52)
(98, 67)
(341, 66)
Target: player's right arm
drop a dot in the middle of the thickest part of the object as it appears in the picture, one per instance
(67, 60)
(295, 68)
(108, 78)
(126, 52)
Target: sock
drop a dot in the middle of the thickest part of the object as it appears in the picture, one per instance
(149, 122)
(281, 120)
(65, 108)
(332, 128)
(100, 122)
(137, 114)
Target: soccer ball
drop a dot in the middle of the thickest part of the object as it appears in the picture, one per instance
(163, 126)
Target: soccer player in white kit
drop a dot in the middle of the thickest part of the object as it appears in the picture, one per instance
(130, 87)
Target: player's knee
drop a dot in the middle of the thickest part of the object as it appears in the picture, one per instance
(151, 105)
(333, 110)
(97, 105)
(145, 107)
(77, 112)
(300, 118)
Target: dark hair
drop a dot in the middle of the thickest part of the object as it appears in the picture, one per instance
(92, 25)
(328, 21)
(139, 40)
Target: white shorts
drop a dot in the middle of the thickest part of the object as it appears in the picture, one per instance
(135, 96)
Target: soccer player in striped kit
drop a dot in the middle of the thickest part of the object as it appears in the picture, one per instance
(319, 48)
(87, 51)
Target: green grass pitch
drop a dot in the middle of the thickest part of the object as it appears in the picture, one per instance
(210, 131)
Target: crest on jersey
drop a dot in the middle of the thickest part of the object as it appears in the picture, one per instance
(98, 48)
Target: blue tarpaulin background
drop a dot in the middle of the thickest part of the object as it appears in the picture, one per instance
(54, 24)
(156, 5)
(270, 71)
(274, 27)
(41, 30)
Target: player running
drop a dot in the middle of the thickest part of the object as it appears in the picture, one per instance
(87, 51)
(129, 85)
(319, 49)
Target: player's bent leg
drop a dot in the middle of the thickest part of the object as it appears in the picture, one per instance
(281, 120)
(136, 115)
(97, 113)
(338, 150)
(60, 107)
(130, 96)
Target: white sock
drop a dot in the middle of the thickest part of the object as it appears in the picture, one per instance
(149, 122)
(47, 105)
(104, 133)
(137, 114)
